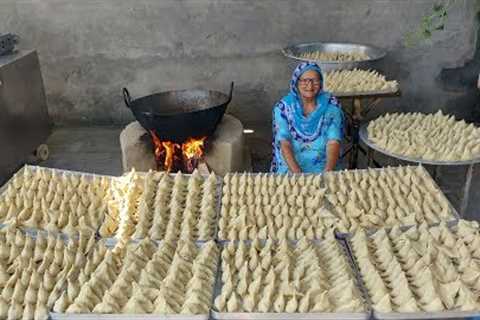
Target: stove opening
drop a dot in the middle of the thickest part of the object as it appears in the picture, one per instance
(173, 157)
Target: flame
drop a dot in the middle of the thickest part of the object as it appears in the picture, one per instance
(170, 152)
(193, 148)
(157, 143)
(167, 152)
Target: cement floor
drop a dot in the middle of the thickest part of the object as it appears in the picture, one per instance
(97, 150)
(90, 149)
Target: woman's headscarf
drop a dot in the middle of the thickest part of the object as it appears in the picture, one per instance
(304, 128)
(297, 73)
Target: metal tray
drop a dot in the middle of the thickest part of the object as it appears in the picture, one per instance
(34, 233)
(58, 171)
(254, 175)
(92, 175)
(65, 316)
(333, 230)
(450, 223)
(356, 274)
(218, 205)
(99, 316)
(349, 94)
(428, 315)
(364, 137)
(356, 271)
(288, 316)
(278, 316)
(218, 208)
(295, 51)
(399, 315)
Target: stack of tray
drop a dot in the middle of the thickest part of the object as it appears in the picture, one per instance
(343, 240)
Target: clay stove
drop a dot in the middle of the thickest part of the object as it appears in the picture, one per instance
(223, 152)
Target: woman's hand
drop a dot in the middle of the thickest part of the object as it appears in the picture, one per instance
(287, 153)
(333, 153)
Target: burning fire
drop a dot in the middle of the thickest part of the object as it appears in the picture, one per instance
(193, 148)
(170, 154)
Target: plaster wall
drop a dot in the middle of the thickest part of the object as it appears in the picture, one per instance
(90, 49)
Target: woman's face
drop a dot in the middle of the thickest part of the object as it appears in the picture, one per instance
(309, 84)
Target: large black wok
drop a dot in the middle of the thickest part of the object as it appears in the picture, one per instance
(180, 114)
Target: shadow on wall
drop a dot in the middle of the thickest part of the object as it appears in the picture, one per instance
(463, 82)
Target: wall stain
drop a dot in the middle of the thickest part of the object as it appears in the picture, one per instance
(462, 82)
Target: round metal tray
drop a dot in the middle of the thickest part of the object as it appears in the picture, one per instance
(371, 144)
(374, 54)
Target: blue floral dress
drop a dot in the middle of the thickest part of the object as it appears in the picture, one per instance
(309, 134)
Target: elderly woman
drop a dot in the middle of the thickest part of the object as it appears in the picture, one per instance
(307, 125)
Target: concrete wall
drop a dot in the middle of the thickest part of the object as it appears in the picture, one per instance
(90, 49)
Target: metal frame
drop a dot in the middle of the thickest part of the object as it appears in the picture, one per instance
(23, 105)
(354, 121)
(437, 164)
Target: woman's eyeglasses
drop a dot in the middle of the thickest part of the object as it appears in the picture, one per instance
(306, 81)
